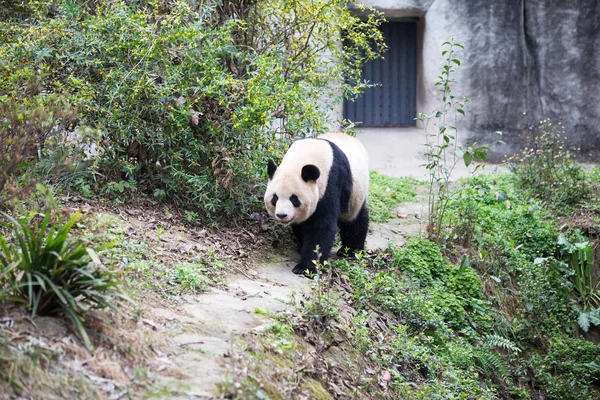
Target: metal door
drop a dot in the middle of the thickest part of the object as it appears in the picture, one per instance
(394, 101)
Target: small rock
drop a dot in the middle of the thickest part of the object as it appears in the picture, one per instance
(50, 326)
(386, 376)
(255, 216)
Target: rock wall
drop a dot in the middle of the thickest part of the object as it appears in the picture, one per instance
(538, 57)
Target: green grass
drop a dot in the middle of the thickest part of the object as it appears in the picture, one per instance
(386, 193)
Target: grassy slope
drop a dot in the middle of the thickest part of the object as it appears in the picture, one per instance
(412, 324)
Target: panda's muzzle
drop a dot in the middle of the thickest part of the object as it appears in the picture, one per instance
(283, 219)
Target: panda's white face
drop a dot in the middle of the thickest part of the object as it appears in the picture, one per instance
(289, 198)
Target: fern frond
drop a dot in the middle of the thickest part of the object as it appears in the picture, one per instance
(498, 342)
(492, 365)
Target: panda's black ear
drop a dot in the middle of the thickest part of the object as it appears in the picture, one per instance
(310, 173)
(271, 168)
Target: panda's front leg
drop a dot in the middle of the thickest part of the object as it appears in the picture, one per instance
(297, 229)
(315, 232)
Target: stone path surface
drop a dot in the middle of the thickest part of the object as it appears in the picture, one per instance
(216, 319)
(400, 152)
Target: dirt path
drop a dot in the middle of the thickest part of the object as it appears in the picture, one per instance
(213, 324)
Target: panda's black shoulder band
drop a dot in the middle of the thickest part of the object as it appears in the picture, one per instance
(271, 168)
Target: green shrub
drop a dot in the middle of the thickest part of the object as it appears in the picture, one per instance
(53, 273)
(546, 289)
(30, 130)
(191, 98)
(567, 370)
(448, 306)
(497, 213)
(420, 258)
(386, 193)
(463, 281)
(548, 170)
(413, 264)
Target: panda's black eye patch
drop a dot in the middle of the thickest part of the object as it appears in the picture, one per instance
(274, 199)
(295, 200)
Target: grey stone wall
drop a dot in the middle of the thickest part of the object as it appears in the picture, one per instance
(539, 57)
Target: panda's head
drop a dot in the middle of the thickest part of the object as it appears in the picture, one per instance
(292, 193)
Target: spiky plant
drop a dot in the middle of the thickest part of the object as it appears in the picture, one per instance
(52, 273)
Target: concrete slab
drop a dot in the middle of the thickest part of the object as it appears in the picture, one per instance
(401, 152)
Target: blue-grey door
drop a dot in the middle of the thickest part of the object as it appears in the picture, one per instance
(394, 101)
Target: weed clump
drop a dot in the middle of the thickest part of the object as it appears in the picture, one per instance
(548, 170)
(419, 258)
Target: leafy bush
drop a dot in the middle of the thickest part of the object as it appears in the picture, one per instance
(579, 256)
(386, 193)
(412, 264)
(496, 214)
(546, 289)
(420, 258)
(28, 131)
(462, 281)
(548, 170)
(448, 306)
(567, 370)
(52, 273)
(190, 97)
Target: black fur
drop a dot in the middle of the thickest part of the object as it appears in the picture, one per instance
(295, 201)
(310, 173)
(271, 168)
(320, 228)
(354, 233)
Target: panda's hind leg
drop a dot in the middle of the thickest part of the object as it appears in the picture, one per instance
(354, 233)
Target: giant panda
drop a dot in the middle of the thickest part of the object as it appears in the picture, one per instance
(321, 184)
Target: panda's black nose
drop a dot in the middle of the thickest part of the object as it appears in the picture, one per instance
(281, 216)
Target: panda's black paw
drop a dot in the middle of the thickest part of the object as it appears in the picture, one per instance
(304, 269)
